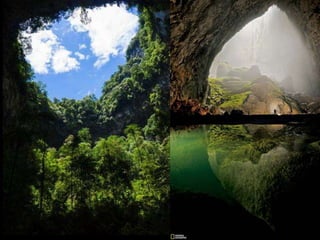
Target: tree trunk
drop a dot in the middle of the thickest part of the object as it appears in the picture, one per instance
(42, 182)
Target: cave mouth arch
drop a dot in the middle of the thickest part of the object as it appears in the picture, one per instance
(74, 55)
(265, 64)
(16, 12)
(197, 39)
(274, 46)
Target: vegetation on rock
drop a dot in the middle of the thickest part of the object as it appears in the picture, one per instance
(263, 163)
(249, 91)
(92, 165)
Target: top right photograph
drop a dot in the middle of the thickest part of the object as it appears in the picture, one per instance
(244, 58)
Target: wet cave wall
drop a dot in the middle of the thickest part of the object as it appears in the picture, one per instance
(200, 28)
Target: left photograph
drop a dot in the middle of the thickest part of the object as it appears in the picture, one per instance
(85, 118)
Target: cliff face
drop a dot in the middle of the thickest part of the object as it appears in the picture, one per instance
(126, 97)
(199, 29)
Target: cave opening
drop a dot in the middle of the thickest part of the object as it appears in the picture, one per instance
(32, 123)
(195, 42)
(73, 55)
(267, 67)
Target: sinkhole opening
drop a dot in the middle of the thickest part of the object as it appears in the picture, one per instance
(265, 68)
(73, 56)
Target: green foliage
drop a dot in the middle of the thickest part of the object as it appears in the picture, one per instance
(245, 145)
(228, 93)
(158, 123)
(244, 153)
(217, 93)
(257, 163)
(84, 135)
(218, 135)
(119, 170)
(135, 85)
(77, 113)
(265, 145)
(64, 170)
(235, 101)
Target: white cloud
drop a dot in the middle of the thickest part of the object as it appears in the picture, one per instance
(48, 53)
(82, 46)
(89, 92)
(80, 55)
(110, 30)
(62, 62)
(43, 43)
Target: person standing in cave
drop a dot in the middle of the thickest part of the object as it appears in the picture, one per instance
(275, 111)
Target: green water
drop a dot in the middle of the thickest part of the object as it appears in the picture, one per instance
(258, 166)
(189, 166)
(241, 161)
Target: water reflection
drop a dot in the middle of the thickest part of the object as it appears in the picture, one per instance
(260, 166)
(189, 166)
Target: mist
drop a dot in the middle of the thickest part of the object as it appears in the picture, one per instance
(275, 45)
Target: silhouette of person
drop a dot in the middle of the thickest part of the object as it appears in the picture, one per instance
(275, 111)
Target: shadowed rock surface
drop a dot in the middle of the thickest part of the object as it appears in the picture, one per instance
(199, 29)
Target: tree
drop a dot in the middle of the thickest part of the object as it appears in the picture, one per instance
(84, 135)
(113, 166)
(52, 164)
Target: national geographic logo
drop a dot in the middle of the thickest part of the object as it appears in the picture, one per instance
(177, 236)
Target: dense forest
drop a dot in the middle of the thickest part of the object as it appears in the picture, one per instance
(92, 165)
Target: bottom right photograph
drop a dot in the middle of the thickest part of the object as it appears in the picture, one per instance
(245, 180)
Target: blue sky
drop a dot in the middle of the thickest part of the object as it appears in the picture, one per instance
(74, 59)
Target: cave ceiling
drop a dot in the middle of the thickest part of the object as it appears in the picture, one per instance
(200, 28)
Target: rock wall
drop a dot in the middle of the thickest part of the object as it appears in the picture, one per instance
(200, 28)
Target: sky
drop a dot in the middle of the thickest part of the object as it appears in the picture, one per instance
(74, 59)
(272, 42)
